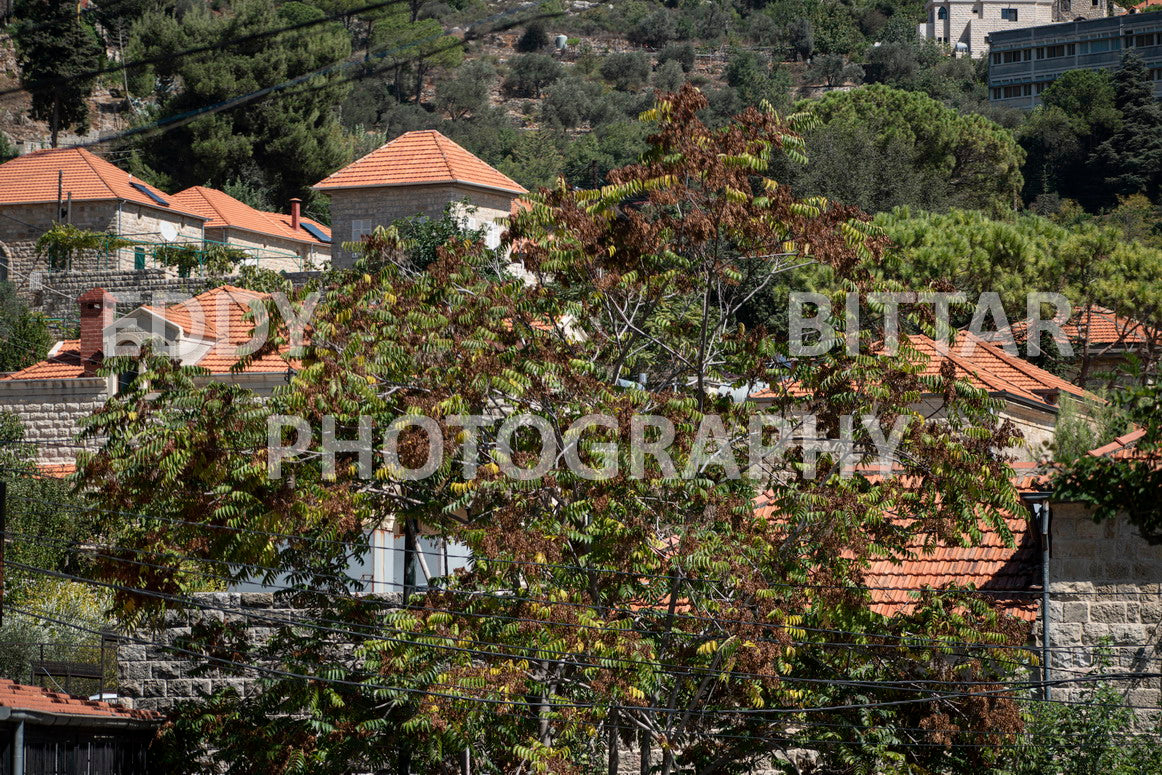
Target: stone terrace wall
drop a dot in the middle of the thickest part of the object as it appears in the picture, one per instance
(158, 678)
(1105, 582)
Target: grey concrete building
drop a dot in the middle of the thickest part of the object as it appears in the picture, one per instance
(1022, 63)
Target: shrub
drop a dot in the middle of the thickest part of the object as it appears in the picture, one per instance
(534, 38)
(682, 53)
(626, 71)
(655, 30)
(530, 73)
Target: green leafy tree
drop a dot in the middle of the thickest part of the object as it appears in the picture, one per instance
(682, 53)
(1086, 736)
(294, 138)
(57, 52)
(1124, 486)
(1077, 114)
(466, 91)
(655, 30)
(24, 334)
(529, 74)
(834, 70)
(626, 71)
(653, 607)
(534, 38)
(973, 161)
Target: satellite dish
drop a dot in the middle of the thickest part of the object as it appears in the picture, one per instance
(168, 231)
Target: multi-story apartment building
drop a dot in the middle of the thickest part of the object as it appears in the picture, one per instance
(964, 25)
(1023, 63)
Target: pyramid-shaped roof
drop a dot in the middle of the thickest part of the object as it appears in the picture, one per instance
(34, 178)
(223, 210)
(418, 158)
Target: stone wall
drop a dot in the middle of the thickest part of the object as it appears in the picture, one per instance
(21, 225)
(385, 205)
(1105, 582)
(277, 255)
(158, 678)
(51, 411)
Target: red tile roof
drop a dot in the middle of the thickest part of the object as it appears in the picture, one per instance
(218, 315)
(223, 210)
(34, 699)
(1008, 574)
(1123, 447)
(416, 158)
(33, 178)
(1103, 328)
(56, 470)
(988, 366)
(63, 362)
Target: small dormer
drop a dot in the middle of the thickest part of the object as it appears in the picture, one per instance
(127, 335)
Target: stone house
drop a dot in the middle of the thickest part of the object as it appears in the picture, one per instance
(416, 174)
(964, 25)
(278, 242)
(51, 397)
(72, 185)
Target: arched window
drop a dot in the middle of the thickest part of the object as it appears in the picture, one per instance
(942, 13)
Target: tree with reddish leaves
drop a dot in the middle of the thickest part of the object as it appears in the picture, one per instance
(709, 616)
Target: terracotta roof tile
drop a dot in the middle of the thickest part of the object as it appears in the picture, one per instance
(37, 700)
(33, 178)
(416, 158)
(223, 210)
(218, 315)
(1008, 574)
(1104, 329)
(983, 365)
(988, 366)
(63, 362)
(1123, 447)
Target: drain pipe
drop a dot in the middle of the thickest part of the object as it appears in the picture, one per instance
(18, 749)
(1041, 509)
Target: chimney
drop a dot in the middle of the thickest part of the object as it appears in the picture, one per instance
(296, 213)
(98, 307)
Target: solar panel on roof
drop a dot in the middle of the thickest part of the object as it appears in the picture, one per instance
(316, 232)
(143, 189)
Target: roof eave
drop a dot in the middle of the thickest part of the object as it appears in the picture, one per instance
(450, 181)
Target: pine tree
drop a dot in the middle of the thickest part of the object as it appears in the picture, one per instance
(55, 48)
(1132, 156)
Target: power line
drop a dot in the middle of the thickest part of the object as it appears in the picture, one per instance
(662, 710)
(217, 46)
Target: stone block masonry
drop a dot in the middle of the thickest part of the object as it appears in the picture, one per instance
(1105, 585)
(155, 675)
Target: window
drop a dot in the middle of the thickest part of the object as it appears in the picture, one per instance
(1098, 46)
(942, 13)
(125, 379)
(139, 258)
(1066, 6)
(1052, 52)
(1144, 40)
(360, 229)
(1009, 57)
(1009, 14)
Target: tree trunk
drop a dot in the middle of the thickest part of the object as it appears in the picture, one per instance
(56, 117)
